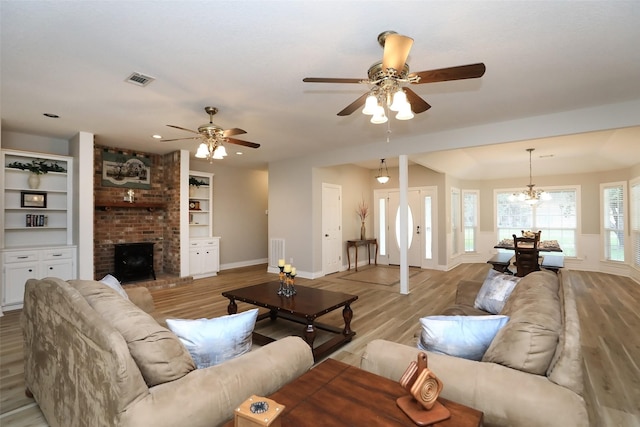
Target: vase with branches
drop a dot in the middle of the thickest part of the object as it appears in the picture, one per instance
(363, 212)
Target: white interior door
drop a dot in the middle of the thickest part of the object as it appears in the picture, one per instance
(414, 228)
(331, 228)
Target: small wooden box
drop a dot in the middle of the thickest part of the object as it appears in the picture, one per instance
(270, 418)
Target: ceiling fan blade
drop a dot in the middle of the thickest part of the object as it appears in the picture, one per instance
(354, 105)
(245, 143)
(181, 128)
(461, 72)
(179, 139)
(418, 105)
(233, 131)
(396, 51)
(329, 80)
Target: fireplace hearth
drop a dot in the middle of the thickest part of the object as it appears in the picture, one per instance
(133, 261)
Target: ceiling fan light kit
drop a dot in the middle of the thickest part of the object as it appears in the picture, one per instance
(213, 138)
(388, 79)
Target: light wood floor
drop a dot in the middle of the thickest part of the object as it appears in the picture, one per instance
(608, 307)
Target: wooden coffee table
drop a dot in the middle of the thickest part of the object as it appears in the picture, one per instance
(335, 394)
(304, 307)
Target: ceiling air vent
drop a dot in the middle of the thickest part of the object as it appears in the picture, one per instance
(139, 79)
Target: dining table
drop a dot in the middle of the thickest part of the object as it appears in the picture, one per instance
(543, 245)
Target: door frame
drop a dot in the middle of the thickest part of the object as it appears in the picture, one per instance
(384, 254)
(328, 219)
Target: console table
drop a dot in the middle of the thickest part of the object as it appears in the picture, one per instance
(362, 242)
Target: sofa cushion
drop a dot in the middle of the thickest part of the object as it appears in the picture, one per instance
(159, 354)
(461, 336)
(495, 291)
(528, 342)
(213, 341)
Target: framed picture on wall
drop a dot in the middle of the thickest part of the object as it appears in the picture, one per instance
(125, 170)
(30, 199)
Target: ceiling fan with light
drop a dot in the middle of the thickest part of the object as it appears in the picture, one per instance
(213, 138)
(387, 79)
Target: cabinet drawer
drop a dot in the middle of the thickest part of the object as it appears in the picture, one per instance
(201, 243)
(20, 256)
(63, 253)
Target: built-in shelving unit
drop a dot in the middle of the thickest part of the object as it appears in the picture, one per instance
(36, 236)
(200, 206)
(204, 248)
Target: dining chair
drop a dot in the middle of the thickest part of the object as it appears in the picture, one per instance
(527, 254)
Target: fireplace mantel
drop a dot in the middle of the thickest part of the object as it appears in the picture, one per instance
(107, 205)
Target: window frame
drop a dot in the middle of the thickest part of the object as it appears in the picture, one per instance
(605, 243)
(577, 189)
(473, 229)
(634, 222)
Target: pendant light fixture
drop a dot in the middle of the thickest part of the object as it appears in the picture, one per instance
(383, 172)
(530, 196)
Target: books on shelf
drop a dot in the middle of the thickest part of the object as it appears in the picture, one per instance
(35, 220)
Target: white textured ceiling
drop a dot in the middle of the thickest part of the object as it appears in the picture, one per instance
(248, 59)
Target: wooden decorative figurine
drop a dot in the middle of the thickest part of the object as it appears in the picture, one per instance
(258, 411)
(422, 404)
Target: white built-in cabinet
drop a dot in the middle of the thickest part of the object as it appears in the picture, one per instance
(204, 248)
(36, 232)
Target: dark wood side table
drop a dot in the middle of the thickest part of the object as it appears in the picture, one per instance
(363, 242)
(336, 394)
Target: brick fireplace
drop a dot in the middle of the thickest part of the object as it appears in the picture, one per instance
(160, 225)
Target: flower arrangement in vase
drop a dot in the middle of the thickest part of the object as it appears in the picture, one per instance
(363, 212)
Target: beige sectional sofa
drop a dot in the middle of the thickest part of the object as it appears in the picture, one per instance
(531, 374)
(93, 358)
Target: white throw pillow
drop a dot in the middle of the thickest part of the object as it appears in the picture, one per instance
(495, 291)
(213, 341)
(461, 336)
(114, 284)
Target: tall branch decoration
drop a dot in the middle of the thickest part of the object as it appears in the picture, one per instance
(363, 213)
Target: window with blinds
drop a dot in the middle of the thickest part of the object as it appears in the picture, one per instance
(613, 220)
(455, 221)
(470, 215)
(556, 218)
(635, 222)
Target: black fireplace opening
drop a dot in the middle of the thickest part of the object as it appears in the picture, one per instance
(133, 261)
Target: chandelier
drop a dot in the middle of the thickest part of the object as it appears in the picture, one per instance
(211, 148)
(387, 94)
(383, 172)
(530, 196)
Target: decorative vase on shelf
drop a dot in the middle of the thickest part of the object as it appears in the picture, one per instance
(192, 190)
(363, 232)
(33, 181)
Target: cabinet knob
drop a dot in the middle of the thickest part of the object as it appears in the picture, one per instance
(30, 270)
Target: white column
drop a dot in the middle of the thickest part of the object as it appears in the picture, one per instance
(404, 223)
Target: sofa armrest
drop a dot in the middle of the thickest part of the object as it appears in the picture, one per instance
(208, 397)
(467, 292)
(141, 297)
(507, 397)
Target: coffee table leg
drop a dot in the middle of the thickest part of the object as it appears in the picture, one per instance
(232, 308)
(310, 333)
(347, 314)
(273, 314)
